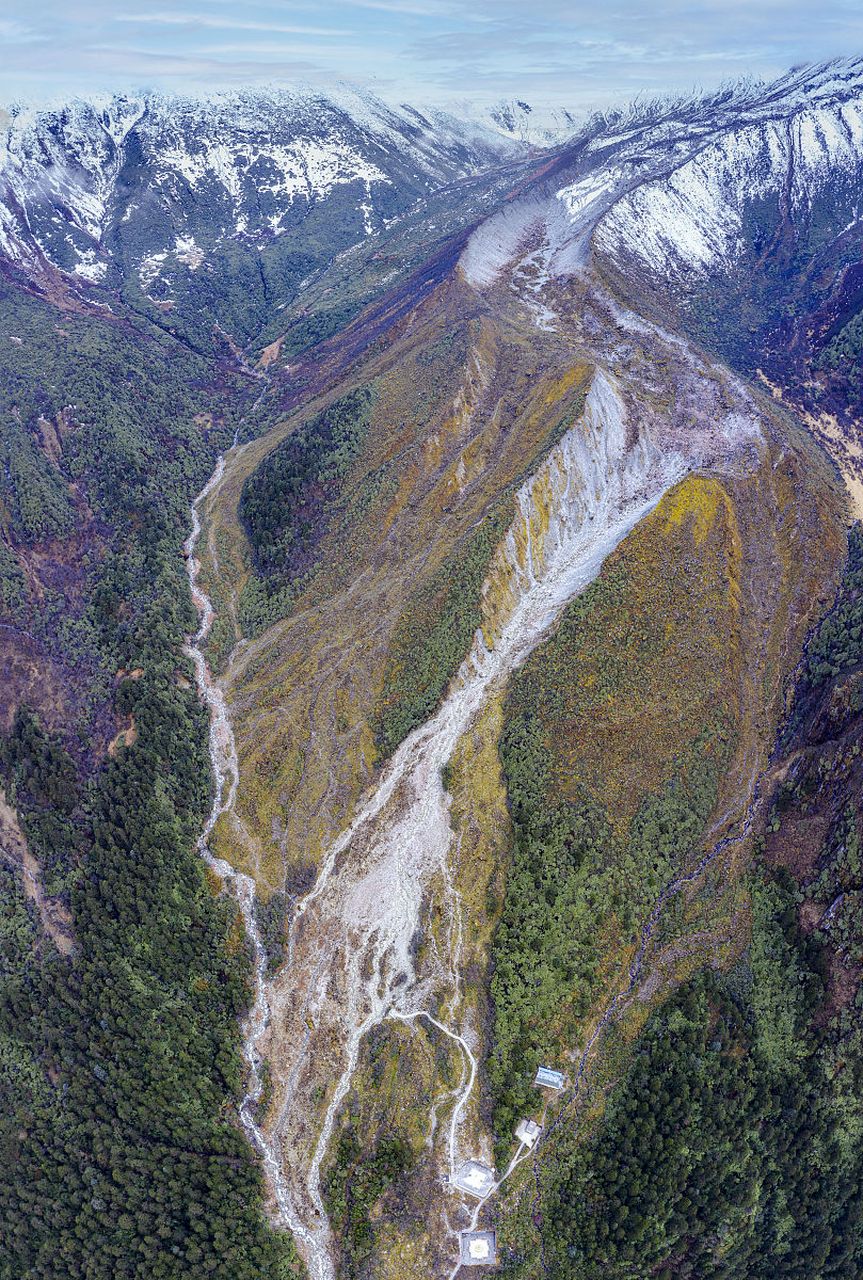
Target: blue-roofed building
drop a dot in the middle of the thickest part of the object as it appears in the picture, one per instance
(546, 1078)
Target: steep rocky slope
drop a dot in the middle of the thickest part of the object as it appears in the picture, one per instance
(736, 219)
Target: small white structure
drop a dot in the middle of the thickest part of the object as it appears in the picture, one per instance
(478, 1248)
(527, 1131)
(546, 1078)
(475, 1178)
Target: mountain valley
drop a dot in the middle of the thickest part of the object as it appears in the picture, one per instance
(431, 642)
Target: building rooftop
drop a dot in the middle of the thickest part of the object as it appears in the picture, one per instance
(475, 1178)
(478, 1248)
(547, 1078)
(527, 1131)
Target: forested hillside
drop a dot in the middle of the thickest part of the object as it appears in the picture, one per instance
(120, 1058)
(730, 1146)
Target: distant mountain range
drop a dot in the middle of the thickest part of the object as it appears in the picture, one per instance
(171, 201)
(132, 192)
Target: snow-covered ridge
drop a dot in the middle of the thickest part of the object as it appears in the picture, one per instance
(150, 188)
(693, 220)
(668, 190)
(248, 163)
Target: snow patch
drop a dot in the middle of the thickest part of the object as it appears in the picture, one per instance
(89, 266)
(187, 252)
(150, 267)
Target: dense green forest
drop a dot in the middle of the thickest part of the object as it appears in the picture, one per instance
(726, 1152)
(128, 399)
(355, 1185)
(582, 879)
(119, 1064)
(731, 1146)
(107, 431)
(569, 875)
(122, 1158)
(309, 330)
(841, 358)
(837, 643)
(435, 631)
(287, 503)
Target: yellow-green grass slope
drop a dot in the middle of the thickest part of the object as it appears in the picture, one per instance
(651, 715)
(465, 405)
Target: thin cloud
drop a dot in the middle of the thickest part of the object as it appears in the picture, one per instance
(149, 63)
(274, 50)
(407, 7)
(227, 24)
(17, 33)
(571, 53)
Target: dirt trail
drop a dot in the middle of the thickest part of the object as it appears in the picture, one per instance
(14, 850)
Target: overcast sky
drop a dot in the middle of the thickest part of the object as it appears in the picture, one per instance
(577, 53)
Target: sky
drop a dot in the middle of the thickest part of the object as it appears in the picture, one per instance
(569, 53)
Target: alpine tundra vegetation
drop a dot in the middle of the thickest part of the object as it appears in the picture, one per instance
(431, 709)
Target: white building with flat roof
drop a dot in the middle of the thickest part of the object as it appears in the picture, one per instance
(477, 1248)
(528, 1131)
(475, 1178)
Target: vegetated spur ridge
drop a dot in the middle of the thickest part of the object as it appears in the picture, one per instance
(355, 930)
(360, 918)
(351, 959)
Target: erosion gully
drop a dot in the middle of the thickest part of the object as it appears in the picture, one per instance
(350, 962)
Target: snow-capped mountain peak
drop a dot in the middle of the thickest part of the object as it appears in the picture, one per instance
(103, 187)
(675, 190)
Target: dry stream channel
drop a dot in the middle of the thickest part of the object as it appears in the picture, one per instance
(353, 931)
